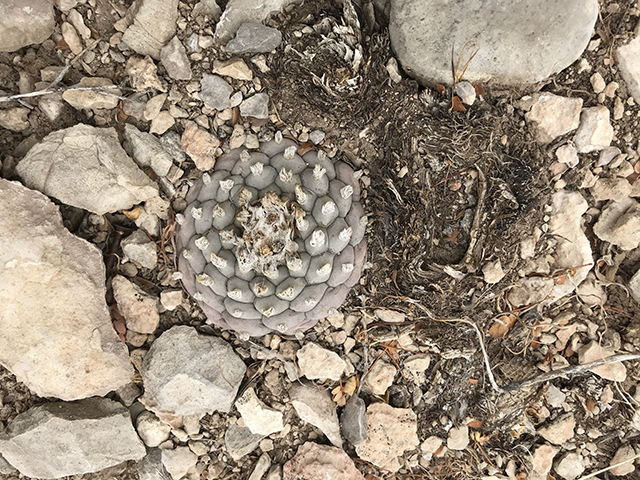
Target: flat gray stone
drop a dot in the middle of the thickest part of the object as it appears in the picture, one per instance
(239, 441)
(175, 61)
(353, 421)
(60, 439)
(147, 150)
(56, 334)
(254, 38)
(238, 12)
(25, 22)
(105, 178)
(629, 62)
(256, 106)
(313, 461)
(151, 467)
(619, 224)
(153, 26)
(215, 92)
(186, 373)
(5, 467)
(316, 407)
(517, 45)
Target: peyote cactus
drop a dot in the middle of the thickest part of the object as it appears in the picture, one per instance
(270, 240)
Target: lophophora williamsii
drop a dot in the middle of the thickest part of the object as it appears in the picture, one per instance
(272, 241)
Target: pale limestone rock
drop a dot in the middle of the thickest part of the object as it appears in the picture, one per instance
(623, 454)
(570, 466)
(151, 429)
(178, 461)
(136, 306)
(573, 248)
(317, 362)
(316, 407)
(619, 224)
(91, 99)
(186, 373)
(542, 459)
(516, 46)
(628, 57)
(238, 12)
(553, 116)
(458, 438)
(595, 132)
(56, 334)
(200, 145)
(153, 26)
(560, 430)
(25, 22)
(106, 179)
(594, 352)
(59, 439)
(380, 377)
(313, 461)
(391, 432)
(258, 418)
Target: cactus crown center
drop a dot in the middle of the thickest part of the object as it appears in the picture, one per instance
(268, 236)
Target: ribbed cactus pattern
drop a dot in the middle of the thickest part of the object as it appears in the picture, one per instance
(272, 241)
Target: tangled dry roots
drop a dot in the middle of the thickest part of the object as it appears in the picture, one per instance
(270, 240)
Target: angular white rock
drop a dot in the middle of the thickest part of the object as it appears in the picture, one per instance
(105, 178)
(258, 418)
(25, 22)
(153, 26)
(136, 306)
(147, 150)
(178, 461)
(628, 57)
(315, 406)
(570, 466)
(317, 362)
(594, 352)
(151, 429)
(380, 377)
(186, 373)
(560, 430)
(553, 116)
(391, 432)
(595, 131)
(619, 224)
(238, 12)
(56, 334)
(573, 248)
(59, 439)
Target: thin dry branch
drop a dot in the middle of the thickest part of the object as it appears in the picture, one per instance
(574, 370)
(492, 379)
(39, 93)
(610, 467)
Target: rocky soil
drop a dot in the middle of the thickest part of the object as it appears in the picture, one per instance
(495, 330)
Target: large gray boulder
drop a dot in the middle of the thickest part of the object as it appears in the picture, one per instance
(186, 373)
(86, 167)
(60, 439)
(24, 22)
(56, 334)
(519, 43)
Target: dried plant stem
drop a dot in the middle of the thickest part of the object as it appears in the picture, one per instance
(492, 379)
(574, 370)
(591, 475)
(473, 234)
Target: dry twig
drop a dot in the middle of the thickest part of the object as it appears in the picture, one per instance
(574, 370)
